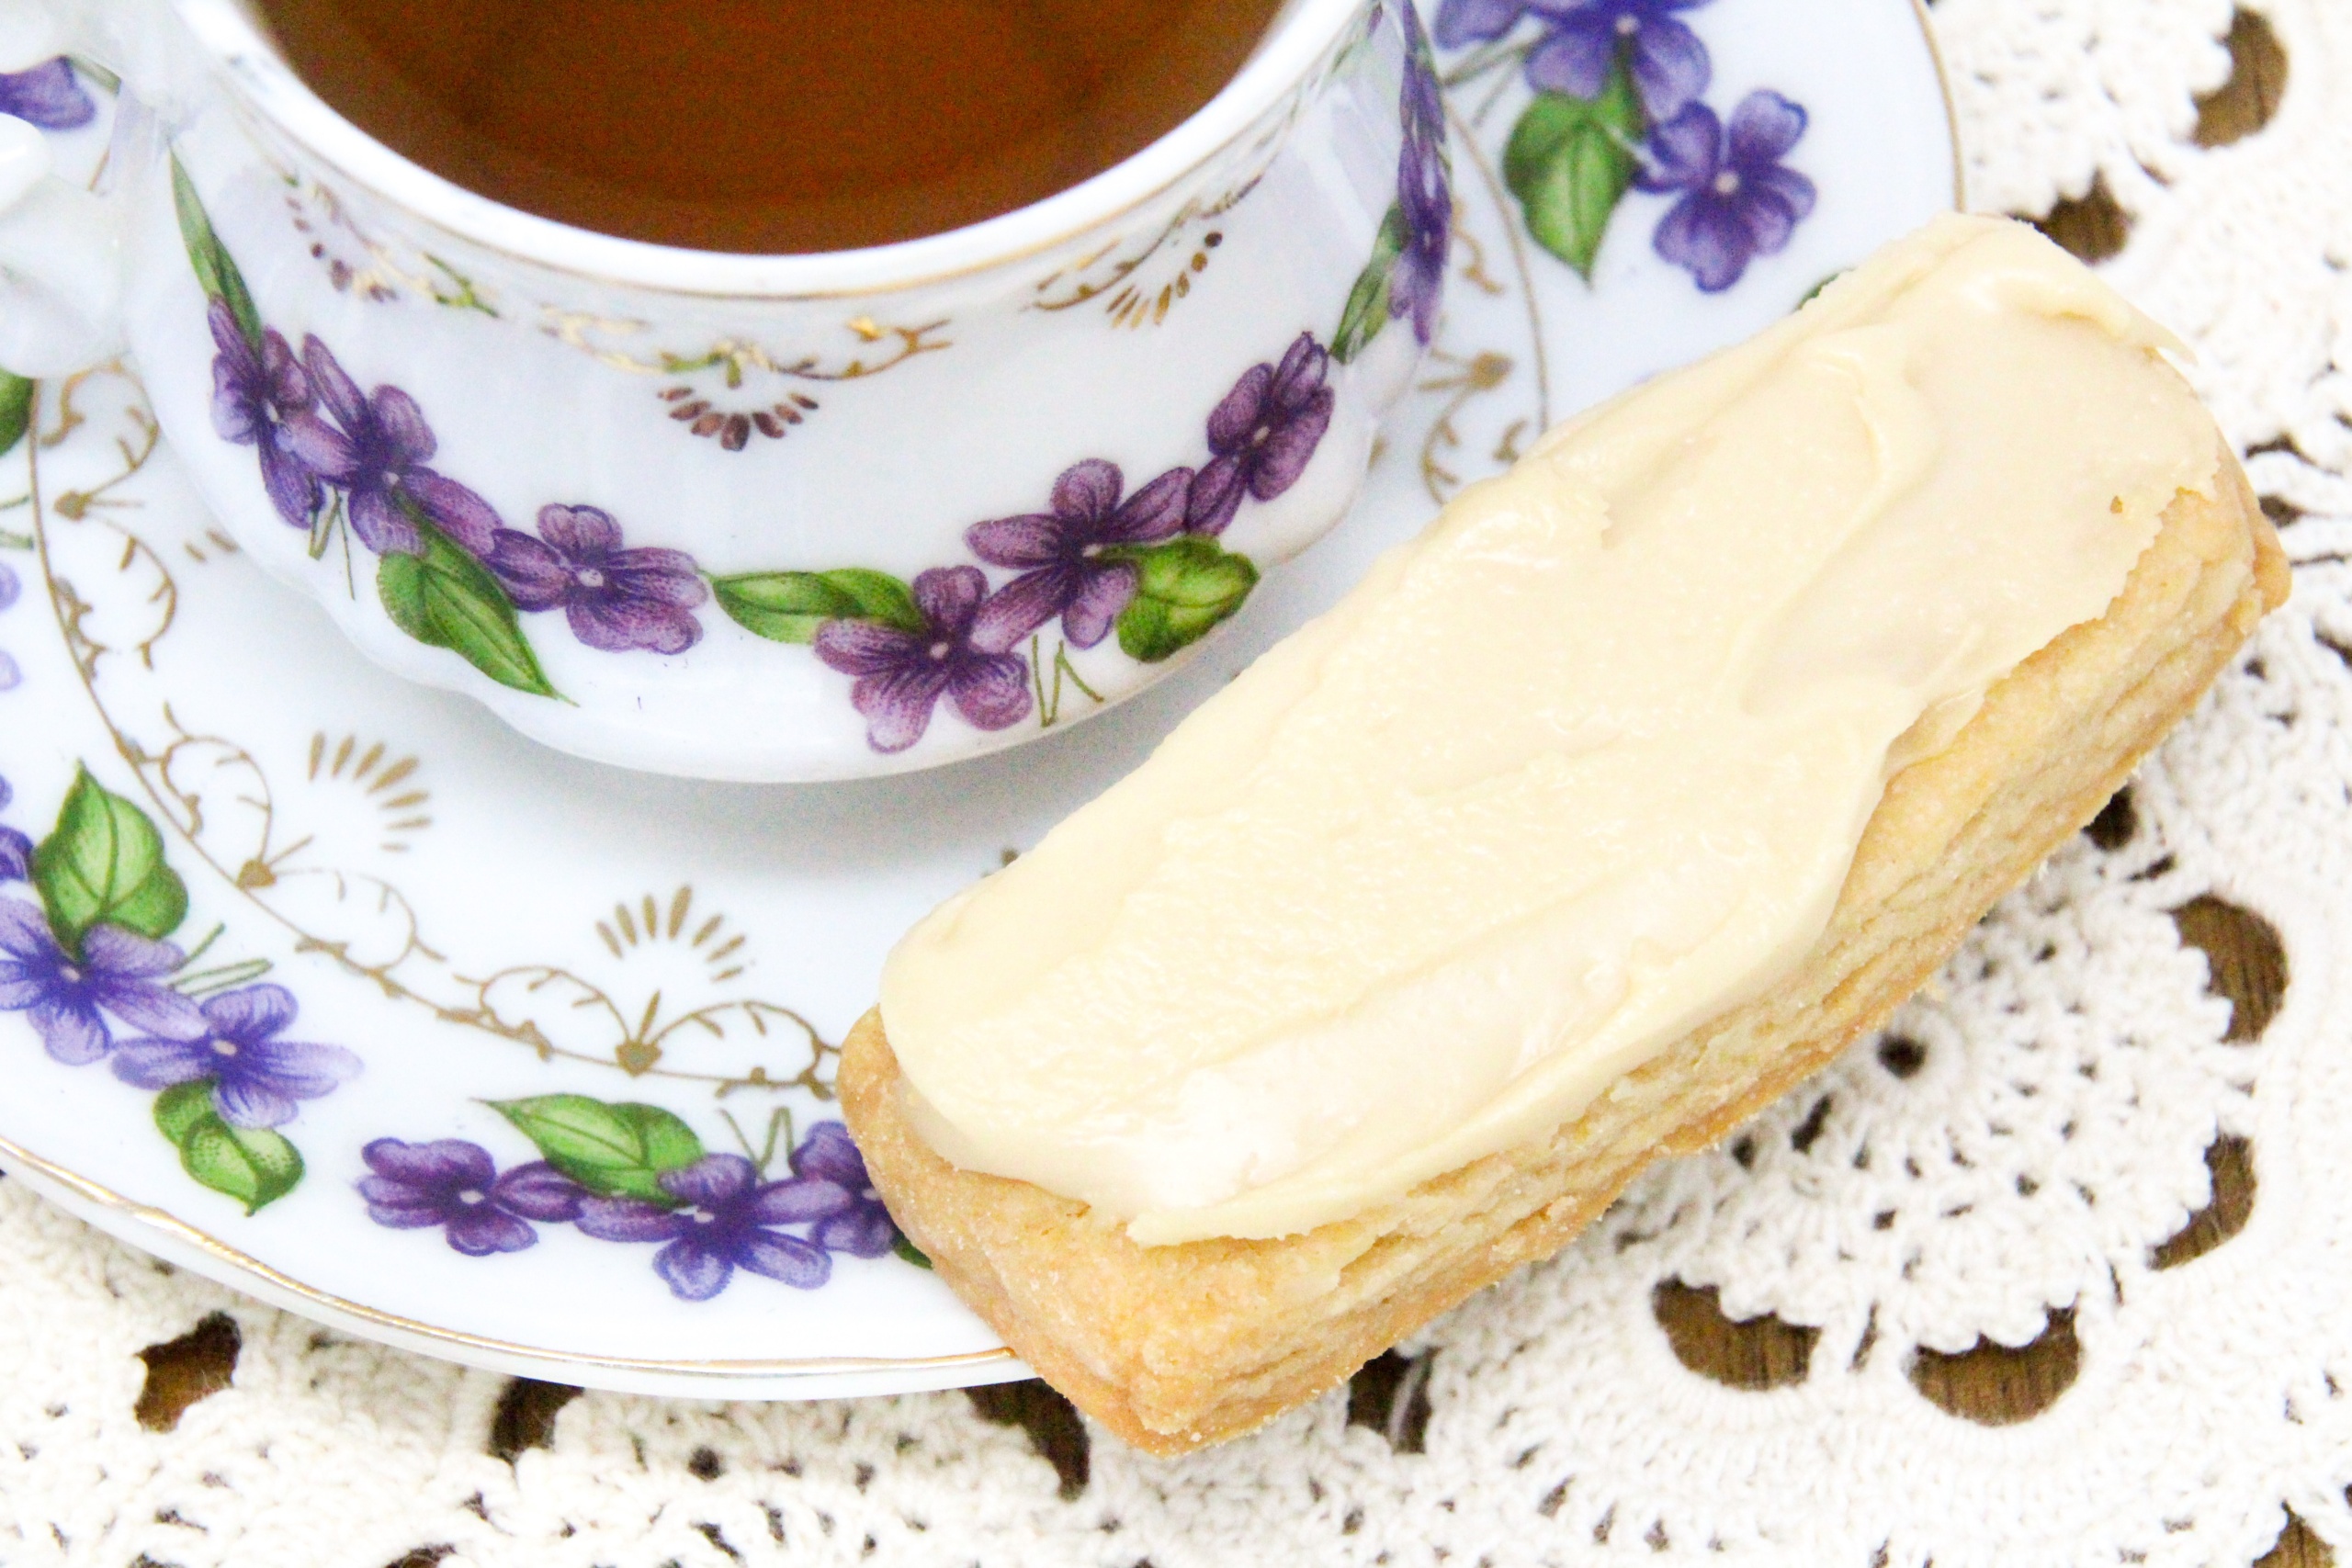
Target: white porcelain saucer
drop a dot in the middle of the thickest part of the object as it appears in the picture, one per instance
(607, 980)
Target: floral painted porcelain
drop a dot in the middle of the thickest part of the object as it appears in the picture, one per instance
(321, 982)
(719, 514)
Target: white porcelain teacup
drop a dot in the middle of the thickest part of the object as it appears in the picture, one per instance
(769, 517)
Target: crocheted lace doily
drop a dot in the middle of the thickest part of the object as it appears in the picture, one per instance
(2015, 1163)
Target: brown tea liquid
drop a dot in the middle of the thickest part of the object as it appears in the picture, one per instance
(767, 125)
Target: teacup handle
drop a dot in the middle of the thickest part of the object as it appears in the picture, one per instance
(61, 246)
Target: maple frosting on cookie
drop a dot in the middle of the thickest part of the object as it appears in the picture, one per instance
(1578, 769)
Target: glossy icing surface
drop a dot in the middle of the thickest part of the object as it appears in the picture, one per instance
(1580, 768)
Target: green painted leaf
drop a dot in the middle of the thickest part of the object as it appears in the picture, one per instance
(909, 1251)
(783, 606)
(1186, 586)
(1569, 163)
(1367, 309)
(179, 1108)
(105, 862)
(878, 596)
(618, 1150)
(400, 584)
(788, 606)
(252, 1164)
(216, 272)
(444, 598)
(16, 410)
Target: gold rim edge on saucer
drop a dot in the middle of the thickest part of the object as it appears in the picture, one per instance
(18, 1160)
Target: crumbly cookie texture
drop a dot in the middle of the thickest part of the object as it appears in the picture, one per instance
(1180, 1346)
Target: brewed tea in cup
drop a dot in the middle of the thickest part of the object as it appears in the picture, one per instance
(767, 125)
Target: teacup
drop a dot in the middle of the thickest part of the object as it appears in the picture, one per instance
(778, 517)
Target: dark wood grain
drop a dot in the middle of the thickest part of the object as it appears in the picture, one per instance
(2297, 1548)
(2090, 227)
(1995, 1385)
(2245, 963)
(2232, 1162)
(1390, 1395)
(1056, 1430)
(2243, 103)
(1754, 1353)
(195, 1366)
(526, 1417)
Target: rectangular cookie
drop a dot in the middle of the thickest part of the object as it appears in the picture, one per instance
(1176, 1346)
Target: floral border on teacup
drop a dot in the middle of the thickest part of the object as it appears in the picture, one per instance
(344, 464)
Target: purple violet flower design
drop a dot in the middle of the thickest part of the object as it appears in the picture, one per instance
(257, 1078)
(1581, 40)
(66, 996)
(49, 97)
(378, 457)
(1059, 553)
(16, 848)
(453, 1184)
(257, 399)
(1738, 200)
(902, 674)
(727, 1225)
(864, 1228)
(1424, 189)
(615, 598)
(1262, 434)
(539, 1191)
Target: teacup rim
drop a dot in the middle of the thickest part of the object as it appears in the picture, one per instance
(1303, 32)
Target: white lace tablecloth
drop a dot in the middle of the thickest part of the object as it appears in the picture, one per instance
(2006, 1168)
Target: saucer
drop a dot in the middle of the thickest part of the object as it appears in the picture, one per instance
(330, 987)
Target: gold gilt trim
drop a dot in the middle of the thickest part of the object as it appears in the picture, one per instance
(20, 1160)
(1952, 110)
